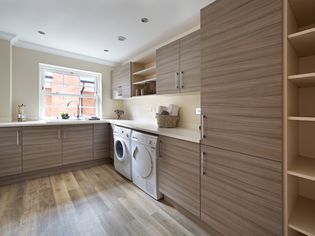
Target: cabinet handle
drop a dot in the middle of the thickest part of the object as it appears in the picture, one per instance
(176, 80)
(18, 137)
(203, 121)
(182, 79)
(203, 169)
(59, 133)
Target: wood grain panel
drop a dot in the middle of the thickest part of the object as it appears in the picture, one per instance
(121, 80)
(41, 147)
(10, 151)
(241, 76)
(77, 143)
(241, 194)
(101, 141)
(167, 64)
(179, 176)
(190, 62)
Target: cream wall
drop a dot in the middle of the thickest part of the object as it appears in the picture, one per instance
(25, 84)
(143, 109)
(5, 79)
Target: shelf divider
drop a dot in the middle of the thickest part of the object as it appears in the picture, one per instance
(303, 80)
(303, 42)
(303, 167)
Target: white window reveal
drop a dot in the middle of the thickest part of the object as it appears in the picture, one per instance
(65, 90)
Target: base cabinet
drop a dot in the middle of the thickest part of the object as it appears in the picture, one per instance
(240, 194)
(101, 145)
(77, 143)
(179, 177)
(41, 147)
(10, 151)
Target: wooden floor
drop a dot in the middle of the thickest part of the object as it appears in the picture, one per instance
(94, 201)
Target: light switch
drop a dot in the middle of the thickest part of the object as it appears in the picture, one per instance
(198, 111)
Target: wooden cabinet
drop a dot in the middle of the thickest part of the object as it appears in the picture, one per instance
(10, 151)
(101, 148)
(241, 194)
(179, 173)
(77, 143)
(42, 147)
(241, 76)
(178, 65)
(121, 81)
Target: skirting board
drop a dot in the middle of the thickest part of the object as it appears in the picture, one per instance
(11, 179)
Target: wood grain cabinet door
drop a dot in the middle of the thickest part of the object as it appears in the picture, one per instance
(77, 143)
(10, 151)
(121, 81)
(41, 147)
(241, 76)
(190, 62)
(167, 69)
(101, 141)
(241, 194)
(179, 173)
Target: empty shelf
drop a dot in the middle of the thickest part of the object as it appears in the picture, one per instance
(145, 72)
(303, 80)
(301, 118)
(303, 167)
(302, 218)
(303, 11)
(144, 81)
(303, 42)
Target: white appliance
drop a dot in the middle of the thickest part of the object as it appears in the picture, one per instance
(122, 147)
(145, 163)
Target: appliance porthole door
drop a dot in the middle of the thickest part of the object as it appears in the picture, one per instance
(142, 161)
(120, 149)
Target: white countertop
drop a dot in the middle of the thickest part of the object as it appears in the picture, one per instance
(179, 133)
(50, 122)
(190, 135)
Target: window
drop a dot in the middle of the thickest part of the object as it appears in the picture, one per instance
(64, 90)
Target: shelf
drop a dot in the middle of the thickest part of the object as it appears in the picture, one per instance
(303, 42)
(302, 218)
(144, 81)
(303, 167)
(301, 118)
(303, 11)
(303, 80)
(145, 72)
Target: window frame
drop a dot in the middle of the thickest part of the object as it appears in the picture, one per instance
(72, 72)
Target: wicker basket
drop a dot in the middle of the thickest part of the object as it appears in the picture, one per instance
(166, 121)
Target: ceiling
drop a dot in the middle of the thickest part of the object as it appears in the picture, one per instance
(87, 27)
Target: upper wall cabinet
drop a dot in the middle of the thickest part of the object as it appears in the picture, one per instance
(121, 81)
(178, 65)
(241, 76)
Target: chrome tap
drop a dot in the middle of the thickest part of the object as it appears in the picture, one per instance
(78, 108)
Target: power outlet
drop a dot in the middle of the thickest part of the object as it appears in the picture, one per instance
(198, 111)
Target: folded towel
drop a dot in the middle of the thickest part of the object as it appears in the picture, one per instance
(162, 109)
(173, 110)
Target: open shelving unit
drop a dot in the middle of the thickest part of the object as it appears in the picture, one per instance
(144, 76)
(299, 119)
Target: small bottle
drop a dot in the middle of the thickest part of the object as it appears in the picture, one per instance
(21, 113)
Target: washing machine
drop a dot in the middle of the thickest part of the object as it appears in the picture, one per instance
(145, 163)
(122, 147)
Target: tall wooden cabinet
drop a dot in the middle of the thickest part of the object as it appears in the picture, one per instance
(42, 147)
(121, 81)
(299, 94)
(10, 151)
(241, 101)
(178, 65)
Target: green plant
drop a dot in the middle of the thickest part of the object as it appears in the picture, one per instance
(65, 116)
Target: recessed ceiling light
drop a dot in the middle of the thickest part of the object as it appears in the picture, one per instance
(144, 20)
(41, 32)
(121, 38)
(106, 50)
